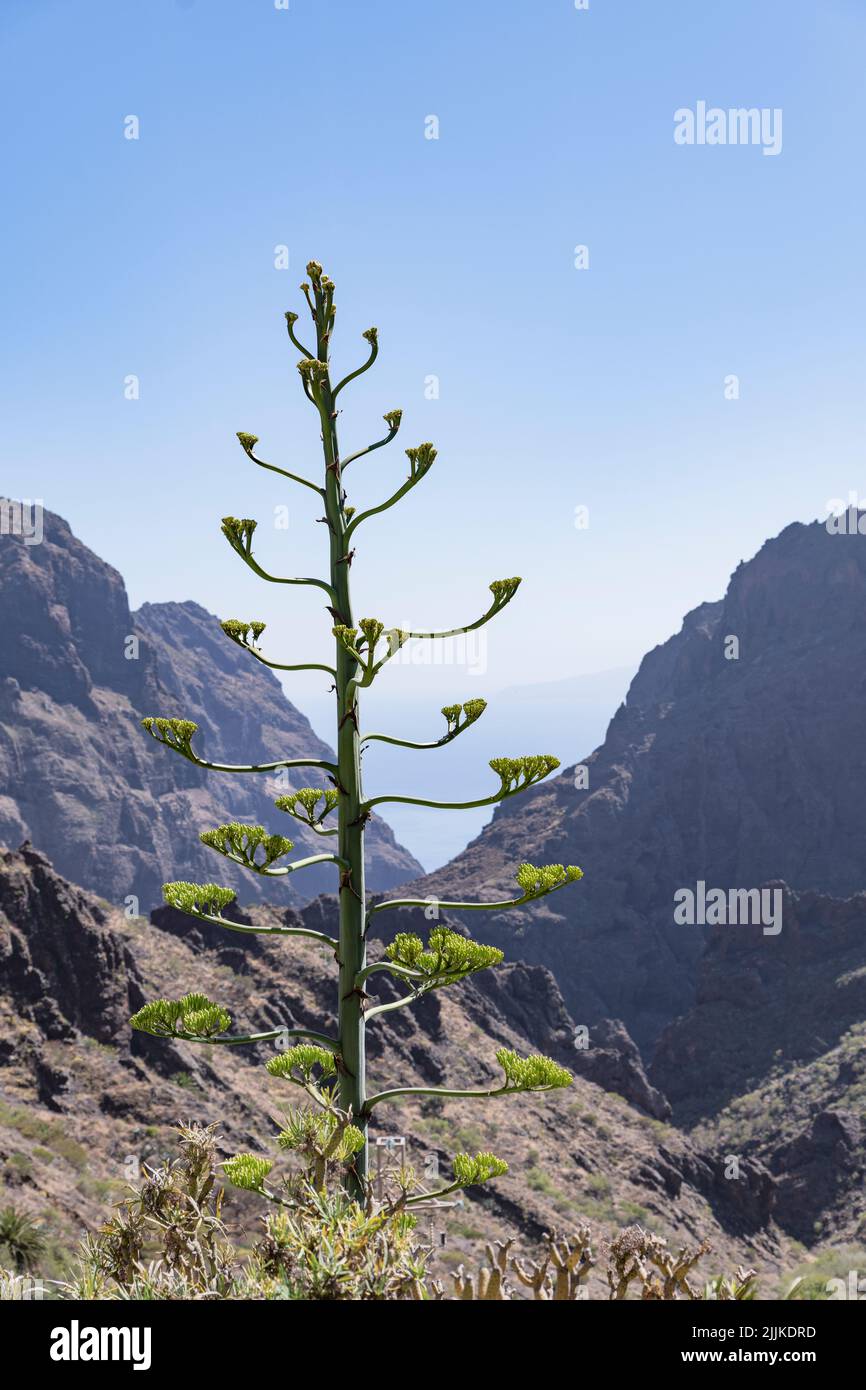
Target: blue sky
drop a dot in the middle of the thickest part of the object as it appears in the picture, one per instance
(559, 388)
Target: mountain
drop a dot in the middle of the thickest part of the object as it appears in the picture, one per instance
(78, 776)
(736, 759)
(85, 1100)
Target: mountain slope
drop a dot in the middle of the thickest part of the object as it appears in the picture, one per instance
(79, 777)
(730, 771)
(83, 1100)
(769, 1062)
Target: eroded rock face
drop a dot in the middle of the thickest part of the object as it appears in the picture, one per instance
(765, 1002)
(817, 1169)
(770, 1063)
(730, 771)
(61, 965)
(613, 1061)
(80, 778)
(745, 1202)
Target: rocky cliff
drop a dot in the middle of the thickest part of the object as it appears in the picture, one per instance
(769, 1062)
(79, 777)
(737, 758)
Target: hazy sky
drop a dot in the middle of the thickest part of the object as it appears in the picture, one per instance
(559, 387)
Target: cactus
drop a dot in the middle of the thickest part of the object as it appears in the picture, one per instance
(332, 1070)
(561, 1275)
(490, 1284)
(633, 1257)
(644, 1259)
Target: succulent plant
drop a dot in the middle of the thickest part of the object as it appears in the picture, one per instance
(331, 1070)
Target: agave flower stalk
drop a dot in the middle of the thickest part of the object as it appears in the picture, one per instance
(332, 1070)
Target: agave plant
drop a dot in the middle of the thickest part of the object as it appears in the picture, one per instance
(21, 1240)
(331, 1070)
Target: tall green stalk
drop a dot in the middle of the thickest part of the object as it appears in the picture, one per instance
(352, 954)
(332, 1070)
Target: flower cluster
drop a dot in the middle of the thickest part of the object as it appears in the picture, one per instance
(519, 773)
(247, 1171)
(531, 1073)
(249, 441)
(535, 883)
(392, 419)
(238, 531)
(298, 1064)
(468, 1171)
(313, 373)
(372, 629)
(361, 642)
(245, 634)
(308, 798)
(448, 957)
(503, 591)
(472, 710)
(347, 638)
(198, 899)
(420, 459)
(240, 842)
(193, 1016)
(174, 733)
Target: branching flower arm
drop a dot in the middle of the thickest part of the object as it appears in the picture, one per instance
(420, 461)
(372, 336)
(472, 710)
(394, 1004)
(205, 902)
(238, 531)
(246, 636)
(276, 1035)
(248, 443)
(535, 883)
(503, 591)
(521, 1074)
(284, 869)
(515, 774)
(447, 958)
(195, 1018)
(468, 1172)
(291, 320)
(177, 734)
(392, 420)
(241, 844)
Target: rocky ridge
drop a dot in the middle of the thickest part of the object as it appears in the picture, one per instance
(79, 777)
